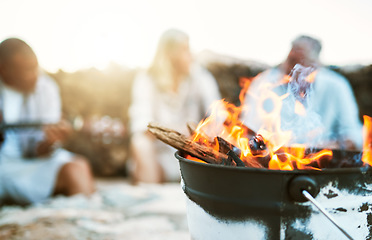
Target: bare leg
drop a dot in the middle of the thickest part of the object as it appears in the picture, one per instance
(147, 168)
(75, 177)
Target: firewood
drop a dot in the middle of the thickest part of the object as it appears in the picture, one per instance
(225, 146)
(183, 143)
(234, 152)
(235, 158)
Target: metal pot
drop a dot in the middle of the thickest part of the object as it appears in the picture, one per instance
(268, 204)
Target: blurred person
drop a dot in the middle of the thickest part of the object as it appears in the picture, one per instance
(33, 166)
(173, 91)
(332, 101)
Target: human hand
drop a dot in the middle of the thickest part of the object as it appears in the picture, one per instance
(57, 132)
(54, 134)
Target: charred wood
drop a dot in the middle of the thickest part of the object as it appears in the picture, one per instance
(235, 158)
(225, 146)
(234, 152)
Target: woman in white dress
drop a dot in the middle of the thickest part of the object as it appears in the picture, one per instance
(172, 92)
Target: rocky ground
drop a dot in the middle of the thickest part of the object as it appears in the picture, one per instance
(117, 210)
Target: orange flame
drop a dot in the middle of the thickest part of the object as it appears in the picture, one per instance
(194, 159)
(244, 83)
(367, 140)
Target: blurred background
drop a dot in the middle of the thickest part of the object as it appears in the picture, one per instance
(93, 49)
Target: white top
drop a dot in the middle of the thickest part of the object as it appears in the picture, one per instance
(41, 106)
(331, 110)
(189, 104)
(173, 110)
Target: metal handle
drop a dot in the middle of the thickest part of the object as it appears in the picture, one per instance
(308, 196)
(299, 183)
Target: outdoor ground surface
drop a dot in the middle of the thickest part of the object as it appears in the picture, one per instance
(118, 210)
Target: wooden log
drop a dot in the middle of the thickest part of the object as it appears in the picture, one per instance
(183, 143)
(234, 152)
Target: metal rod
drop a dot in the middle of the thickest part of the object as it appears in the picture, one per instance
(308, 196)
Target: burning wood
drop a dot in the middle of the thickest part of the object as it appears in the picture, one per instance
(228, 154)
(232, 151)
(235, 158)
(225, 146)
(184, 144)
(257, 145)
(259, 150)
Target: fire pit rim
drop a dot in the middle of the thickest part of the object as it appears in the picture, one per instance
(265, 170)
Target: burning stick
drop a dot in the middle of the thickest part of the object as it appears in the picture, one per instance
(231, 151)
(183, 143)
(237, 160)
(257, 146)
(225, 146)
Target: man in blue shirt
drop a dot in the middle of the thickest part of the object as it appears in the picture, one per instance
(330, 117)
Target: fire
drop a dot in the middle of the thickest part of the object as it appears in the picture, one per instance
(224, 121)
(271, 146)
(194, 159)
(367, 138)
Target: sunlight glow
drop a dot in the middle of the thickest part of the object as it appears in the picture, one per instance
(81, 34)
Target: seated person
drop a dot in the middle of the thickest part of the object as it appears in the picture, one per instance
(331, 101)
(32, 165)
(172, 92)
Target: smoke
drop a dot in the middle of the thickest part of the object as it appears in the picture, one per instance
(298, 113)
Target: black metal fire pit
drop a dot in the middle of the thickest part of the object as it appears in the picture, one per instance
(227, 202)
